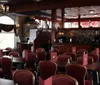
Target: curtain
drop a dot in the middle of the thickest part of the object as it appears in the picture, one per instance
(7, 28)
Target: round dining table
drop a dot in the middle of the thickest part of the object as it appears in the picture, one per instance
(18, 61)
(6, 52)
(15, 59)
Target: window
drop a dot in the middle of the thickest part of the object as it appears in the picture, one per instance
(32, 35)
(6, 38)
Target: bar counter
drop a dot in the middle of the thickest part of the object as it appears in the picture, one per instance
(25, 45)
(67, 47)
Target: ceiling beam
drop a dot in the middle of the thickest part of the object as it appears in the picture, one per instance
(52, 5)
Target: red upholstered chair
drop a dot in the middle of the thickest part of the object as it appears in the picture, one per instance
(6, 71)
(96, 59)
(56, 50)
(62, 61)
(78, 72)
(30, 63)
(81, 51)
(14, 54)
(80, 60)
(31, 57)
(63, 80)
(90, 61)
(1, 52)
(25, 54)
(8, 48)
(94, 56)
(0, 61)
(94, 52)
(47, 69)
(20, 48)
(41, 55)
(73, 56)
(23, 77)
(40, 49)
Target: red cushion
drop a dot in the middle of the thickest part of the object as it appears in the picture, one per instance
(87, 82)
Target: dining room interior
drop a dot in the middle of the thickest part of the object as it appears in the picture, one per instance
(49, 42)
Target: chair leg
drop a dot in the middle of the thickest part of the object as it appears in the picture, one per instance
(97, 74)
(89, 77)
(95, 77)
(37, 75)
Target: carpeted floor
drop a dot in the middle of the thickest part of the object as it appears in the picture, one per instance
(96, 84)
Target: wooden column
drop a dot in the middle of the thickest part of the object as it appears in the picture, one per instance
(53, 18)
(20, 21)
(79, 21)
(53, 25)
(79, 18)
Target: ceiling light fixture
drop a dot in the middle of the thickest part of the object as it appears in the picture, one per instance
(91, 11)
(4, 1)
(37, 0)
(95, 15)
(65, 14)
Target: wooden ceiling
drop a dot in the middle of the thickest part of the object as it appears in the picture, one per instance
(71, 7)
(30, 5)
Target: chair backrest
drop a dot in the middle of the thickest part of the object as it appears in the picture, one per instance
(56, 50)
(25, 54)
(40, 49)
(31, 60)
(47, 69)
(97, 53)
(8, 48)
(41, 55)
(80, 60)
(24, 77)
(94, 56)
(31, 56)
(1, 52)
(14, 54)
(6, 64)
(81, 51)
(63, 60)
(20, 48)
(77, 71)
(64, 80)
(73, 56)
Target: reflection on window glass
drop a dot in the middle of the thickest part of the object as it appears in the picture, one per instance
(84, 24)
(94, 24)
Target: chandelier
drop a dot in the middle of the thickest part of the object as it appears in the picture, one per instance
(3, 7)
(37, 0)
